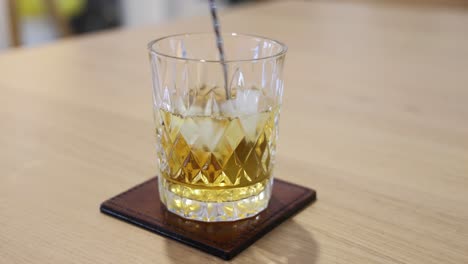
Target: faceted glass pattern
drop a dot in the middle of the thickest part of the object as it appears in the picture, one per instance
(216, 153)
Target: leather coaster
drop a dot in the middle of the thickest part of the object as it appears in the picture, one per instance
(141, 206)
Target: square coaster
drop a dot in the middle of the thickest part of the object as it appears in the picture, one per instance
(141, 206)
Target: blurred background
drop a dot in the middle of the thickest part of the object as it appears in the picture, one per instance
(34, 22)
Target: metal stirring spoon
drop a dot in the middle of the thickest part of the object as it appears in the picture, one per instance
(219, 44)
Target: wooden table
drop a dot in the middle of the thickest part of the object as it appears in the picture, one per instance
(375, 118)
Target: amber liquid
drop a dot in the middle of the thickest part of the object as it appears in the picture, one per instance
(216, 159)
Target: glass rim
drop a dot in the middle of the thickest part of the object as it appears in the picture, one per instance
(282, 51)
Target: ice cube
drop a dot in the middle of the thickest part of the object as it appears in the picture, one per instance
(194, 110)
(228, 108)
(246, 101)
(211, 107)
(180, 105)
(249, 124)
(210, 131)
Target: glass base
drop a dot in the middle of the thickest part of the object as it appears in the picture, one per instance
(214, 211)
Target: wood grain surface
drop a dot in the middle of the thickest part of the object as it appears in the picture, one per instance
(375, 118)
